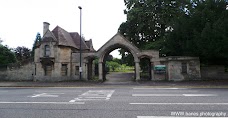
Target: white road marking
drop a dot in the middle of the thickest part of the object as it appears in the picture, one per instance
(94, 95)
(42, 103)
(193, 95)
(174, 117)
(59, 91)
(88, 99)
(161, 88)
(178, 103)
(46, 95)
(172, 95)
(155, 95)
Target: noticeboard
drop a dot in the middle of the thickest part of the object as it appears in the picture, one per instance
(160, 69)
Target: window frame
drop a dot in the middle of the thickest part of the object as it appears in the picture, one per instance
(47, 50)
(65, 71)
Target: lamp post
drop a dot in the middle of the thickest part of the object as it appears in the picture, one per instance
(80, 67)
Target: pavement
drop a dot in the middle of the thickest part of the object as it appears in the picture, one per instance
(188, 84)
(122, 80)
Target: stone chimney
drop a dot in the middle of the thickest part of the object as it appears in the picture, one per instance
(46, 27)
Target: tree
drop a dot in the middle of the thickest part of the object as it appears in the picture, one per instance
(109, 58)
(117, 60)
(179, 28)
(148, 20)
(113, 65)
(6, 55)
(126, 57)
(202, 33)
(22, 53)
(36, 42)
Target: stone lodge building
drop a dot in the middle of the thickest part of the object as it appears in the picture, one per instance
(57, 55)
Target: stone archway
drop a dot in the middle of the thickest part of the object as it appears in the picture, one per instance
(118, 41)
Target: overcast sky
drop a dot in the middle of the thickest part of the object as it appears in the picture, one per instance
(22, 19)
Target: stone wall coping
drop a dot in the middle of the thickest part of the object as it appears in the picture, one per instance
(176, 58)
(179, 58)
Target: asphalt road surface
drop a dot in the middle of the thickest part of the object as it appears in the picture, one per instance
(113, 102)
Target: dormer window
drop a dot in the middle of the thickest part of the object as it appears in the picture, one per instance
(47, 51)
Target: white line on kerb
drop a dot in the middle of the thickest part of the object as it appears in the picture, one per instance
(161, 88)
(42, 102)
(173, 95)
(179, 103)
(174, 117)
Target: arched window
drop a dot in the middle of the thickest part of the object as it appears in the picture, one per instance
(47, 51)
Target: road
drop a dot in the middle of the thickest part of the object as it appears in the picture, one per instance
(112, 102)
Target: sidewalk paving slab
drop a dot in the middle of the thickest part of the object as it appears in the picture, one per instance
(157, 84)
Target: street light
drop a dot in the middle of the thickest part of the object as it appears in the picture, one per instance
(80, 68)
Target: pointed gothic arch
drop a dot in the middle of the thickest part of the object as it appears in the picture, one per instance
(118, 41)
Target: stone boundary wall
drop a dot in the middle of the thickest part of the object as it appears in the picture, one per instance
(22, 71)
(213, 72)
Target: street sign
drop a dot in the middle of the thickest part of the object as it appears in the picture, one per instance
(159, 67)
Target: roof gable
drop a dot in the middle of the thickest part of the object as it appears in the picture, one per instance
(64, 38)
(49, 36)
(76, 39)
(89, 44)
(118, 39)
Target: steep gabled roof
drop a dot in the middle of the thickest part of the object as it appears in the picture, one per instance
(89, 44)
(49, 36)
(63, 37)
(76, 39)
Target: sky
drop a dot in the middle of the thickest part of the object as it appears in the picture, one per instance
(20, 20)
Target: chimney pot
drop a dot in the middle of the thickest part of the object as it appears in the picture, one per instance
(46, 27)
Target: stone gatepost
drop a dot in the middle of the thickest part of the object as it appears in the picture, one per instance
(152, 71)
(137, 71)
(100, 71)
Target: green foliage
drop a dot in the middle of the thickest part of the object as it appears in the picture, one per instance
(22, 53)
(127, 57)
(6, 55)
(112, 65)
(202, 33)
(125, 68)
(147, 20)
(109, 58)
(36, 42)
(145, 64)
(179, 28)
(117, 60)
